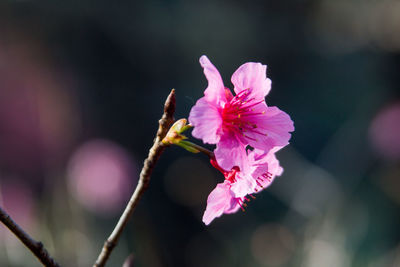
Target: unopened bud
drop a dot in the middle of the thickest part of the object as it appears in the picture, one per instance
(174, 135)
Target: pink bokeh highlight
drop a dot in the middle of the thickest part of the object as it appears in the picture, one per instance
(101, 176)
(384, 132)
(39, 118)
(18, 201)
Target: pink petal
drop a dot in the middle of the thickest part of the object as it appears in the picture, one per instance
(259, 163)
(252, 76)
(244, 185)
(230, 152)
(273, 164)
(207, 121)
(219, 200)
(233, 206)
(266, 162)
(273, 128)
(215, 91)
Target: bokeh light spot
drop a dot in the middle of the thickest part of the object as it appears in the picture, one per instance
(101, 176)
(384, 132)
(17, 199)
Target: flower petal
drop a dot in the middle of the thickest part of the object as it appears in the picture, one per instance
(244, 185)
(206, 120)
(273, 128)
(230, 152)
(265, 163)
(233, 206)
(215, 91)
(219, 200)
(273, 163)
(252, 76)
(258, 161)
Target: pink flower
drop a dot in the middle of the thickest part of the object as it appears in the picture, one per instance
(233, 122)
(228, 197)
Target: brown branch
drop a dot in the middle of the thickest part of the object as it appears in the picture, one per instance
(34, 246)
(155, 152)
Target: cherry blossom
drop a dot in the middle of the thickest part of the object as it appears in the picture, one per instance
(239, 185)
(234, 121)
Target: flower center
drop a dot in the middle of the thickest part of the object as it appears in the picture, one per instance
(231, 176)
(238, 115)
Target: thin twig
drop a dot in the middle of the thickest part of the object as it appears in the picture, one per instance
(34, 246)
(155, 152)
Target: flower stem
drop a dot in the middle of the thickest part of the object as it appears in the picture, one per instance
(149, 164)
(196, 147)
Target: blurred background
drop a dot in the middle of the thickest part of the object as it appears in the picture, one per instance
(82, 85)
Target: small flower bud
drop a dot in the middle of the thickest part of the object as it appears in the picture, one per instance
(174, 135)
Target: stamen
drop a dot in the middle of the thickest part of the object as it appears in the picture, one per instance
(261, 179)
(251, 138)
(234, 113)
(241, 204)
